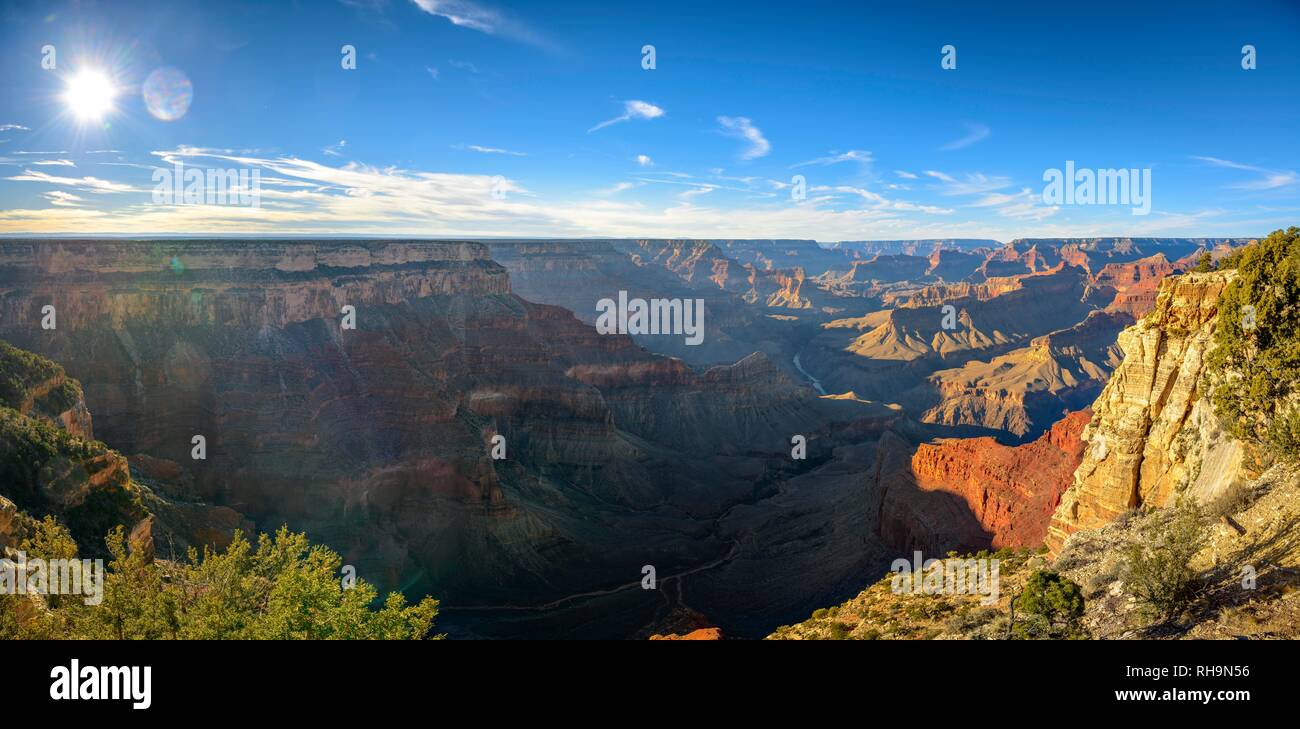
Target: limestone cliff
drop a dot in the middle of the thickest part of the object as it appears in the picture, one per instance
(48, 462)
(1135, 283)
(576, 275)
(1153, 433)
(51, 466)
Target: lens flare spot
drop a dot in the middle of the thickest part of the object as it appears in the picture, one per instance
(167, 93)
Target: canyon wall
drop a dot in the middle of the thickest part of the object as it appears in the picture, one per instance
(377, 440)
(1153, 433)
(50, 465)
(1012, 491)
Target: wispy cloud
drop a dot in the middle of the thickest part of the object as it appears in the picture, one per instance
(975, 134)
(463, 65)
(687, 195)
(492, 150)
(693, 183)
(14, 128)
(1023, 205)
(474, 16)
(746, 179)
(432, 71)
(634, 109)
(834, 158)
(336, 149)
(307, 197)
(742, 128)
(89, 184)
(54, 162)
(1270, 180)
(905, 174)
(59, 197)
(880, 202)
(969, 184)
(617, 188)
(644, 160)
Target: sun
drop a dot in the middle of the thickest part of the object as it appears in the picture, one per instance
(90, 95)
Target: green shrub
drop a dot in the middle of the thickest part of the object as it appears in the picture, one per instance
(1157, 568)
(1255, 365)
(1054, 605)
(19, 371)
(60, 399)
(1204, 263)
(285, 588)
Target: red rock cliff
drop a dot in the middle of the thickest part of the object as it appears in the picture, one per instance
(1012, 491)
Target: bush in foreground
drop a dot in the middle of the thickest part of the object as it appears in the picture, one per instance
(1157, 567)
(1255, 365)
(1054, 607)
(285, 589)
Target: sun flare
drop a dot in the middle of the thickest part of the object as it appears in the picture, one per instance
(90, 95)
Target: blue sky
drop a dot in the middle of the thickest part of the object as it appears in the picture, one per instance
(537, 119)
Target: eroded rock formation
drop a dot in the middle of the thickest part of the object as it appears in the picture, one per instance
(1011, 490)
(50, 466)
(1153, 433)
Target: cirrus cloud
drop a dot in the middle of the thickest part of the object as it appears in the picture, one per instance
(976, 133)
(467, 14)
(742, 128)
(633, 109)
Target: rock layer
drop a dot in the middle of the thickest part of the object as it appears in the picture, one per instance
(1011, 490)
(1153, 430)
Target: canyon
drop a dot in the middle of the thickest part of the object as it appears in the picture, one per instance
(620, 451)
(1099, 488)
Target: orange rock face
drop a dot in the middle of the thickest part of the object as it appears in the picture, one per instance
(1012, 491)
(700, 634)
(1135, 283)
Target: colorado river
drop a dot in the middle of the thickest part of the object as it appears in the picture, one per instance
(817, 385)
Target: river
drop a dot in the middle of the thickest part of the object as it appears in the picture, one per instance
(817, 385)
